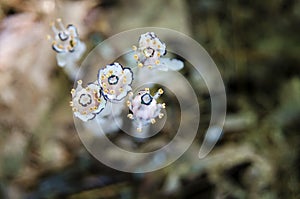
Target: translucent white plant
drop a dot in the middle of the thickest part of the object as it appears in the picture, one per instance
(149, 53)
(113, 84)
(144, 108)
(149, 50)
(115, 81)
(87, 102)
(67, 45)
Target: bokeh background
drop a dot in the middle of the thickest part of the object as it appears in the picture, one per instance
(255, 45)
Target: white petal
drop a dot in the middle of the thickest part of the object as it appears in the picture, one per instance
(171, 64)
(128, 74)
(123, 94)
(115, 67)
(84, 118)
(80, 49)
(61, 59)
(72, 29)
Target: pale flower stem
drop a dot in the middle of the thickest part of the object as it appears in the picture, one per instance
(71, 71)
(98, 120)
(61, 26)
(54, 29)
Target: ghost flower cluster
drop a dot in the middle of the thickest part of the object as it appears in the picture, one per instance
(144, 108)
(114, 81)
(150, 51)
(113, 84)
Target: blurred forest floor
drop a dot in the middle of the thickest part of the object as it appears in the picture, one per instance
(255, 45)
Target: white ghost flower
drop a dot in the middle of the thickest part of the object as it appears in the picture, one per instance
(87, 102)
(150, 51)
(115, 81)
(144, 108)
(66, 44)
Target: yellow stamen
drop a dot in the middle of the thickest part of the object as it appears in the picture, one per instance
(79, 82)
(48, 37)
(136, 57)
(160, 115)
(72, 91)
(130, 116)
(128, 103)
(153, 121)
(157, 62)
(134, 48)
(160, 91)
(140, 65)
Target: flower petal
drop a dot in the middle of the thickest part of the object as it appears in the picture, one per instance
(115, 81)
(170, 64)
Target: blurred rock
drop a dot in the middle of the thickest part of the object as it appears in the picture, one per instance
(12, 154)
(24, 70)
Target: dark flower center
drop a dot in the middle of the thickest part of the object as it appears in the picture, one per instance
(63, 36)
(146, 99)
(148, 52)
(85, 100)
(113, 79)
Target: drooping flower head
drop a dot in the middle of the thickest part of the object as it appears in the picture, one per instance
(144, 108)
(87, 102)
(115, 81)
(66, 43)
(149, 50)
